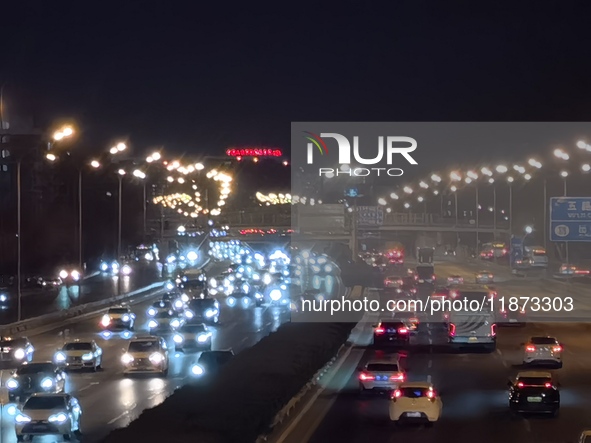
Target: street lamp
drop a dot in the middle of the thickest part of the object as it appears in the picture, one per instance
(564, 175)
(382, 201)
(529, 230)
(407, 189)
(510, 180)
(120, 174)
(142, 176)
(394, 196)
(501, 169)
(436, 178)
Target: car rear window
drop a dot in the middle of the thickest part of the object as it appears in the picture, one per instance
(543, 341)
(534, 381)
(382, 367)
(42, 403)
(78, 347)
(390, 324)
(405, 315)
(35, 368)
(118, 311)
(202, 303)
(414, 392)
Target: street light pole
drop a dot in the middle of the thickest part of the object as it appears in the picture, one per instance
(477, 213)
(145, 207)
(510, 209)
(566, 243)
(119, 229)
(18, 240)
(545, 212)
(495, 212)
(80, 220)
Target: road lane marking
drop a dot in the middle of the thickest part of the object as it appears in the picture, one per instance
(499, 352)
(430, 341)
(527, 425)
(428, 379)
(88, 386)
(430, 364)
(119, 417)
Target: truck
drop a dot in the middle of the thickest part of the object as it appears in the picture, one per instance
(425, 255)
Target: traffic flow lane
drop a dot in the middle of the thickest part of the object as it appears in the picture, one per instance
(474, 393)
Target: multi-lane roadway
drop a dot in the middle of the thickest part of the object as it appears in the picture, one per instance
(473, 386)
(108, 399)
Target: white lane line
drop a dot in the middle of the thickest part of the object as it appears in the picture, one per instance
(119, 417)
(88, 386)
(499, 352)
(430, 341)
(430, 365)
(527, 425)
(428, 379)
(505, 364)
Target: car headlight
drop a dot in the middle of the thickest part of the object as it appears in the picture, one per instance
(185, 298)
(127, 358)
(19, 354)
(75, 275)
(178, 304)
(104, 267)
(156, 358)
(210, 313)
(63, 274)
(258, 296)
(178, 281)
(202, 338)
(125, 317)
(46, 383)
(178, 338)
(11, 384)
(58, 418)
(106, 320)
(169, 286)
(256, 277)
(267, 279)
(275, 295)
(22, 418)
(175, 323)
(3, 297)
(151, 312)
(88, 356)
(152, 324)
(189, 314)
(195, 370)
(213, 283)
(126, 270)
(60, 357)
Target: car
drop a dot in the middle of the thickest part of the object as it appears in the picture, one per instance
(450, 252)
(455, 280)
(204, 310)
(146, 355)
(49, 414)
(210, 362)
(79, 355)
(484, 277)
(543, 351)
(567, 269)
(415, 401)
(192, 335)
(393, 281)
(585, 436)
(381, 375)
(508, 317)
(391, 332)
(159, 306)
(171, 296)
(16, 350)
(165, 321)
(410, 319)
(534, 392)
(35, 377)
(118, 317)
(50, 283)
(440, 292)
(180, 304)
(195, 286)
(70, 275)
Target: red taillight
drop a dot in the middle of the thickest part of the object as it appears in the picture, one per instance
(557, 348)
(380, 330)
(493, 330)
(431, 394)
(520, 384)
(504, 251)
(403, 331)
(452, 329)
(399, 377)
(530, 349)
(548, 385)
(397, 393)
(433, 277)
(363, 376)
(453, 294)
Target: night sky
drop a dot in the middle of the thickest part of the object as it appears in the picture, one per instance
(199, 78)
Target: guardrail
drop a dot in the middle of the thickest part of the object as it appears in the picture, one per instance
(77, 311)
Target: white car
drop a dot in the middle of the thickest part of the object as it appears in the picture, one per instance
(79, 355)
(585, 437)
(146, 355)
(118, 317)
(165, 321)
(48, 414)
(384, 374)
(484, 277)
(415, 401)
(542, 351)
(455, 280)
(191, 335)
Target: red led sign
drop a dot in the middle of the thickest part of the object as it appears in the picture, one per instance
(253, 152)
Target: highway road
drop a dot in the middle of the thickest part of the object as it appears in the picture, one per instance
(38, 302)
(472, 386)
(110, 400)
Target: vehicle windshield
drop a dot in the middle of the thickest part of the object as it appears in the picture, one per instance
(534, 381)
(414, 392)
(202, 303)
(46, 402)
(35, 368)
(118, 311)
(164, 314)
(143, 346)
(193, 328)
(543, 341)
(382, 367)
(78, 347)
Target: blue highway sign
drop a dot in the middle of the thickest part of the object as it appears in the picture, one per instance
(570, 219)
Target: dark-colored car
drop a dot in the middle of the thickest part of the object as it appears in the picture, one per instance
(31, 378)
(205, 310)
(509, 317)
(213, 361)
(535, 393)
(391, 333)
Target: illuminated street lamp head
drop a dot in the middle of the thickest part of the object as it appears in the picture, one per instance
(435, 192)
(491, 180)
(527, 176)
(51, 157)
(407, 189)
(139, 174)
(455, 176)
(510, 179)
(407, 205)
(473, 175)
(453, 189)
(121, 172)
(501, 169)
(564, 174)
(58, 135)
(156, 156)
(486, 171)
(121, 146)
(67, 131)
(382, 201)
(199, 166)
(586, 167)
(559, 153)
(436, 178)
(149, 159)
(113, 150)
(423, 185)
(394, 196)
(95, 164)
(529, 229)
(581, 144)
(533, 162)
(468, 180)
(420, 199)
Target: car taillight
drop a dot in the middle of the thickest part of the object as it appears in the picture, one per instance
(363, 376)
(431, 395)
(403, 331)
(433, 277)
(396, 394)
(557, 348)
(548, 385)
(453, 294)
(493, 330)
(380, 330)
(530, 349)
(452, 329)
(399, 377)
(520, 385)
